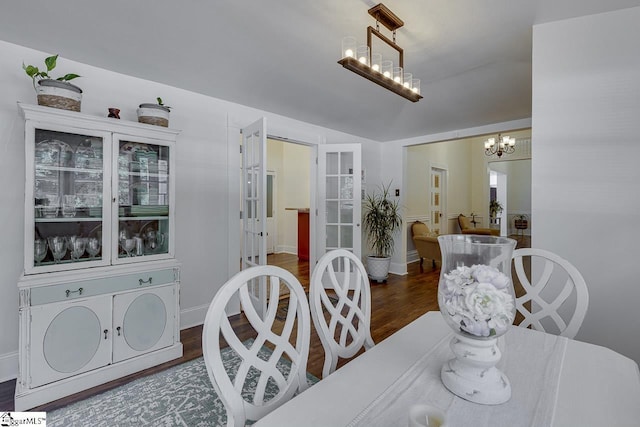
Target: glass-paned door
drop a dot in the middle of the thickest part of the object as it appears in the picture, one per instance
(437, 200)
(65, 202)
(144, 222)
(339, 184)
(254, 218)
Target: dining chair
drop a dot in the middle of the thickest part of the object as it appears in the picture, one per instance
(548, 282)
(342, 318)
(244, 399)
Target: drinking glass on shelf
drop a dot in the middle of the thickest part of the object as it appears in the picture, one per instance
(69, 206)
(58, 246)
(128, 245)
(77, 246)
(93, 246)
(39, 250)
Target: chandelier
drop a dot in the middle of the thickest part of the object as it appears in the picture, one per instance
(503, 145)
(370, 64)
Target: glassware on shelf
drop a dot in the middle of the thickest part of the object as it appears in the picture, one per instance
(39, 250)
(153, 240)
(69, 206)
(77, 246)
(128, 245)
(88, 159)
(58, 246)
(93, 246)
(53, 152)
(51, 206)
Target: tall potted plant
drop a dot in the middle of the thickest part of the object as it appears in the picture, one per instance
(381, 220)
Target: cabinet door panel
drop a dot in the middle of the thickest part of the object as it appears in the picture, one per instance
(144, 182)
(58, 328)
(64, 197)
(143, 321)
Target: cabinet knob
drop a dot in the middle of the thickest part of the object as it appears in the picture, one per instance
(118, 329)
(106, 332)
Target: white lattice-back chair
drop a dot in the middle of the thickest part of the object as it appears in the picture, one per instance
(343, 323)
(240, 409)
(544, 306)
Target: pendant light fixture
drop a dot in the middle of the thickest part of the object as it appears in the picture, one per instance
(503, 145)
(386, 72)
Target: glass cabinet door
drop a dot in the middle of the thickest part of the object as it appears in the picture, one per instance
(143, 191)
(68, 194)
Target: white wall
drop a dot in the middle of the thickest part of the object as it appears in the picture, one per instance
(207, 177)
(585, 173)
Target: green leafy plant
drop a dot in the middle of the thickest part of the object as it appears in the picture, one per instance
(50, 62)
(495, 207)
(521, 217)
(381, 220)
(162, 104)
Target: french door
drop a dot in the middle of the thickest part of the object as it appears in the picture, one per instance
(339, 198)
(254, 218)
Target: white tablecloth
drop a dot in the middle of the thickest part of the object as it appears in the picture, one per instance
(595, 386)
(532, 401)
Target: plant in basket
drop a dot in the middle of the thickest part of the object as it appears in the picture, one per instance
(154, 114)
(54, 92)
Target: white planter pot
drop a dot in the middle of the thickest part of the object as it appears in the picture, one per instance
(378, 268)
(153, 114)
(59, 94)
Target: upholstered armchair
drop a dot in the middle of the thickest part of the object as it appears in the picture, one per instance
(426, 243)
(466, 228)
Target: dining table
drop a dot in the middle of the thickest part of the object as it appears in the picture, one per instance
(555, 381)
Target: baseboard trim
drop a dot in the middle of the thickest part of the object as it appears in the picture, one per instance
(194, 316)
(412, 256)
(398, 268)
(8, 366)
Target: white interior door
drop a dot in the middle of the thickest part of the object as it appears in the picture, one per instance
(339, 198)
(254, 218)
(438, 200)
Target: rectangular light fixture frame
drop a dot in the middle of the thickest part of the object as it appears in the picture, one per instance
(365, 71)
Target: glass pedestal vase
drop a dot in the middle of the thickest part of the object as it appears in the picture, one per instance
(477, 300)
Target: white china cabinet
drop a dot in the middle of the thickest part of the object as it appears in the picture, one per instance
(99, 297)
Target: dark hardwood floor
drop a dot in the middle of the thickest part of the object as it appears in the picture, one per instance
(395, 304)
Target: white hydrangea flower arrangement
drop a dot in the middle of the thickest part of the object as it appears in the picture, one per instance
(477, 299)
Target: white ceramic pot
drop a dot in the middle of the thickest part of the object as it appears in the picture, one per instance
(154, 114)
(378, 268)
(59, 94)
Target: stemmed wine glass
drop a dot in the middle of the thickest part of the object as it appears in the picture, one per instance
(39, 250)
(93, 246)
(128, 245)
(58, 247)
(77, 246)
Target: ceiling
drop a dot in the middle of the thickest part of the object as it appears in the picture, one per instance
(473, 57)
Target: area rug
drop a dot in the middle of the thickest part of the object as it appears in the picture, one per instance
(179, 396)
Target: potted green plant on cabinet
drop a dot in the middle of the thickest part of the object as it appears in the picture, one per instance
(381, 220)
(154, 114)
(58, 92)
(521, 222)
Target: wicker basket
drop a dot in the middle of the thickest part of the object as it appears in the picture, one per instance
(153, 114)
(59, 94)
